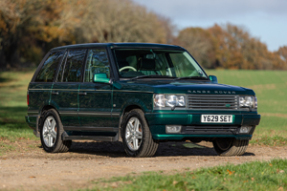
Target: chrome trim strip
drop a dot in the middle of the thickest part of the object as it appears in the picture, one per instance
(97, 90)
(33, 112)
(34, 89)
(68, 112)
(130, 91)
(96, 113)
(90, 113)
(116, 114)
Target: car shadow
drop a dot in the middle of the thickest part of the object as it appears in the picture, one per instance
(116, 149)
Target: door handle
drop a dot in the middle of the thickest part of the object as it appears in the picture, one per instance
(82, 93)
(55, 93)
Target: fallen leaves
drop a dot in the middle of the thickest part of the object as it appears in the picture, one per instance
(230, 172)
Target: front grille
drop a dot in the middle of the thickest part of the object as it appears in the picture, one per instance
(213, 102)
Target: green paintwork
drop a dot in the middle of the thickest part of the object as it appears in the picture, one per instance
(95, 105)
(164, 137)
(101, 78)
(31, 120)
(102, 103)
(213, 79)
(66, 102)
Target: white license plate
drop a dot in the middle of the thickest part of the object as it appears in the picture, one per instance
(216, 118)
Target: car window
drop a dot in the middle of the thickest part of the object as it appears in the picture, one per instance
(61, 68)
(149, 62)
(49, 68)
(73, 67)
(181, 62)
(97, 62)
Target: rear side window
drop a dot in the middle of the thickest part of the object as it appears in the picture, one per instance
(61, 68)
(97, 62)
(49, 68)
(73, 67)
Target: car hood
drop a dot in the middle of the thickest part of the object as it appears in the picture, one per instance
(197, 87)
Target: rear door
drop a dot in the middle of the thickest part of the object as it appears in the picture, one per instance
(41, 86)
(95, 99)
(65, 90)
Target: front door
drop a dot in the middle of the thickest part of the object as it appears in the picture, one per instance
(95, 99)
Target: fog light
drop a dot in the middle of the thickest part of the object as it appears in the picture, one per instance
(172, 128)
(245, 129)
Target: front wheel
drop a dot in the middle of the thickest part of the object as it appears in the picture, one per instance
(230, 146)
(137, 138)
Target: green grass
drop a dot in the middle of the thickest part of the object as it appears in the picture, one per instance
(13, 105)
(248, 176)
(270, 88)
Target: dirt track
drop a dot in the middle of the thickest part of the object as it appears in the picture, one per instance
(33, 169)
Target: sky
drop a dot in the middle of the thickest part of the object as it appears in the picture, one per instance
(263, 19)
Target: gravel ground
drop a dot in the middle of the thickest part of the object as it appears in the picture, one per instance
(30, 168)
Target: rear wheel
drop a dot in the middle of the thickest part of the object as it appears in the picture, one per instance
(51, 130)
(137, 138)
(230, 146)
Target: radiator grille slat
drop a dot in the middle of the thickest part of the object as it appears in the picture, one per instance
(215, 102)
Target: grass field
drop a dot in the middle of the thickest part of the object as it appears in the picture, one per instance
(270, 88)
(249, 176)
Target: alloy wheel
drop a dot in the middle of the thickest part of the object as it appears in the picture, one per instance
(133, 134)
(50, 131)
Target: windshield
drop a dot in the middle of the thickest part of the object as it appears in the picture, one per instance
(156, 63)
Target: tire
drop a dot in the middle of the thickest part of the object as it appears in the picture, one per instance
(51, 130)
(230, 146)
(134, 127)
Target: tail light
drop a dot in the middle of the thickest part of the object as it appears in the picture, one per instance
(28, 98)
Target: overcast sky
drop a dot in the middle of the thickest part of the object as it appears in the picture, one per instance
(263, 19)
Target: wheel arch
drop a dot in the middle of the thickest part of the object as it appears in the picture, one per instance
(125, 110)
(44, 108)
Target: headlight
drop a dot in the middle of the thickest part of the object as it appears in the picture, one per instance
(162, 100)
(248, 101)
(159, 100)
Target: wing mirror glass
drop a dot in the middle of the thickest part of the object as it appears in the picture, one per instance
(213, 79)
(101, 78)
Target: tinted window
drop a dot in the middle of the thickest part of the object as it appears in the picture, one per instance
(61, 68)
(73, 67)
(49, 68)
(169, 63)
(97, 62)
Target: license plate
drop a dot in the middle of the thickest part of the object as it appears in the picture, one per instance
(216, 118)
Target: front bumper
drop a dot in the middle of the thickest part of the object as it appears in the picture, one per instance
(193, 128)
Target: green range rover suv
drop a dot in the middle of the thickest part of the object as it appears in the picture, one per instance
(139, 94)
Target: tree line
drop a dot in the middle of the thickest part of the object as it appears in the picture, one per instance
(30, 28)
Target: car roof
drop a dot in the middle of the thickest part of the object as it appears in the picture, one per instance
(121, 45)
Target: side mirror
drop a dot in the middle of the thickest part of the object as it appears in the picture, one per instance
(101, 78)
(213, 79)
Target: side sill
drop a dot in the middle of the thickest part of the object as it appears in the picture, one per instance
(65, 137)
(95, 129)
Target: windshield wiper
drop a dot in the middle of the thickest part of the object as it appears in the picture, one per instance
(151, 76)
(193, 77)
